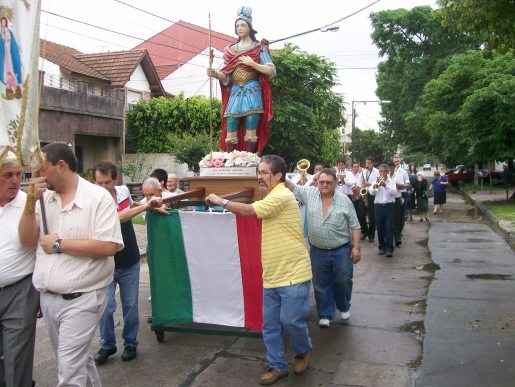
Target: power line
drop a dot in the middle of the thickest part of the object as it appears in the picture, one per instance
(170, 21)
(327, 25)
(125, 47)
(356, 68)
(123, 34)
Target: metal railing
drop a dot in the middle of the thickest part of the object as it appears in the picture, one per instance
(81, 86)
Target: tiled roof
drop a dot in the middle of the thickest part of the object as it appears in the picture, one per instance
(66, 57)
(179, 43)
(118, 66)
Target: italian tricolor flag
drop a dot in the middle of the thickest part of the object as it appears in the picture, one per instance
(205, 268)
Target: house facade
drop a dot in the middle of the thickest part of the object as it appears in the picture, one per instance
(84, 98)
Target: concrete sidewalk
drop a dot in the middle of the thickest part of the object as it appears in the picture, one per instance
(470, 330)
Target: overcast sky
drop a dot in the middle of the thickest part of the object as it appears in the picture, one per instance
(350, 48)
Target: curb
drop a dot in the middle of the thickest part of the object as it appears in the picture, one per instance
(492, 219)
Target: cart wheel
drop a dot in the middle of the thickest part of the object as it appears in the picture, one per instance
(160, 337)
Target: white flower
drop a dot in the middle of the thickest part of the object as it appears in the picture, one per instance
(233, 159)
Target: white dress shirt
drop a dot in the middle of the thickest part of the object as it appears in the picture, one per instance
(384, 194)
(90, 215)
(344, 189)
(371, 176)
(16, 261)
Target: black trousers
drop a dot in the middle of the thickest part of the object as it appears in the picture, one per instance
(371, 216)
(359, 206)
(399, 216)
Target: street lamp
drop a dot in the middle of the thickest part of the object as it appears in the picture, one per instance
(353, 119)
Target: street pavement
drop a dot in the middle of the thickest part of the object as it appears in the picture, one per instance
(390, 340)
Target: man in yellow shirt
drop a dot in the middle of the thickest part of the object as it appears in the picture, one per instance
(286, 269)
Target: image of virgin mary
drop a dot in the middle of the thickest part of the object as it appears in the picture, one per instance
(10, 63)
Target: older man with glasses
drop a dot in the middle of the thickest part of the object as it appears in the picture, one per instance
(334, 236)
(286, 269)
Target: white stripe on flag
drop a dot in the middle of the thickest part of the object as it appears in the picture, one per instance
(214, 265)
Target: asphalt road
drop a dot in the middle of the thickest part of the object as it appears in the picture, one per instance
(398, 335)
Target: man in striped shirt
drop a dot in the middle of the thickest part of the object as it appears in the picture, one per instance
(286, 269)
(334, 237)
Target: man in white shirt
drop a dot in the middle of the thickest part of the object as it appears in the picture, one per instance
(76, 241)
(401, 178)
(355, 182)
(341, 175)
(384, 191)
(371, 175)
(19, 300)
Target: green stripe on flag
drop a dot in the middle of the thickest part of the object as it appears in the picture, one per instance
(169, 276)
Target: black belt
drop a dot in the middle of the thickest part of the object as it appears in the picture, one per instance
(15, 283)
(382, 204)
(67, 296)
(334, 248)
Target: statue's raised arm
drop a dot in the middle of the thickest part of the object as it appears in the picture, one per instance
(245, 84)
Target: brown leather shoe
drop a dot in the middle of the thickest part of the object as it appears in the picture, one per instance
(301, 363)
(271, 376)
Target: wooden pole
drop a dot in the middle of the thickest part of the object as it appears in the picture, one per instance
(210, 91)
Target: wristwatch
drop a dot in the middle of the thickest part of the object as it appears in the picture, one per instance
(224, 202)
(56, 246)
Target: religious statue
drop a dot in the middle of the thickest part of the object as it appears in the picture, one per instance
(245, 84)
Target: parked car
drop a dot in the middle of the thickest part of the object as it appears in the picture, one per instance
(426, 167)
(460, 175)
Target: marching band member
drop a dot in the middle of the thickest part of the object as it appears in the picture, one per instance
(403, 185)
(341, 174)
(401, 178)
(371, 176)
(384, 191)
(355, 181)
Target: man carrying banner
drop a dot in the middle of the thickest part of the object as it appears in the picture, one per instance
(74, 259)
(286, 269)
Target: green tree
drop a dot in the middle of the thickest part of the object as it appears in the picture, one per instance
(370, 143)
(468, 111)
(189, 148)
(491, 22)
(415, 48)
(150, 122)
(307, 113)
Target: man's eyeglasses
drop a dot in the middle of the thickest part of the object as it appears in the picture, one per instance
(325, 182)
(261, 173)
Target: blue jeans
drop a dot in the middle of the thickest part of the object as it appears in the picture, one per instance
(385, 218)
(128, 281)
(332, 279)
(285, 310)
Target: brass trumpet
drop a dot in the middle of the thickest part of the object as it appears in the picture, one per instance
(303, 165)
(340, 178)
(377, 185)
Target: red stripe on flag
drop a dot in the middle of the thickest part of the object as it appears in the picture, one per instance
(249, 242)
(124, 204)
